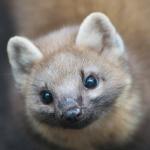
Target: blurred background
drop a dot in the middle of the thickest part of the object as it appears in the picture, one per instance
(33, 18)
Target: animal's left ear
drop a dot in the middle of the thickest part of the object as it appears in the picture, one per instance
(97, 32)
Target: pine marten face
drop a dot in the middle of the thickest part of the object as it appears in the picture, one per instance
(73, 89)
(76, 83)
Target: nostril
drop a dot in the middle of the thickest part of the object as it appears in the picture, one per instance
(72, 115)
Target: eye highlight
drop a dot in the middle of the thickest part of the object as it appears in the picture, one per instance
(90, 82)
(46, 96)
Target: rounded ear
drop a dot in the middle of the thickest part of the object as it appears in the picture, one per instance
(22, 53)
(97, 32)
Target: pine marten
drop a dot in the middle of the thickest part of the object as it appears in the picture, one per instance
(78, 87)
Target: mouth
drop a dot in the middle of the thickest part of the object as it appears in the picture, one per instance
(77, 124)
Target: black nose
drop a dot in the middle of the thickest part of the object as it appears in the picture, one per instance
(72, 115)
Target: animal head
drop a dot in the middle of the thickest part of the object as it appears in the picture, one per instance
(71, 77)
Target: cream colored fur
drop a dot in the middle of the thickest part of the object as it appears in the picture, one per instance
(95, 33)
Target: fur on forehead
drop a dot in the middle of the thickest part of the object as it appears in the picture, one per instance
(57, 40)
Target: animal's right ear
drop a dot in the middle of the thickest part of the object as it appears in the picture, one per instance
(22, 54)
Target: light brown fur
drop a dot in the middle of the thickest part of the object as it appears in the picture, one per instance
(117, 127)
(127, 113)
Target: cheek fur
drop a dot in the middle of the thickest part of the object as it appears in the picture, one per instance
(107, 98)
(42, 114)
(92, 94)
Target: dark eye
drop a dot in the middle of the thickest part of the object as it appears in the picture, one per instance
(46, 96)
(90, 82)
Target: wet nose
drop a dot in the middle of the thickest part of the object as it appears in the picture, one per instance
(72, 115)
